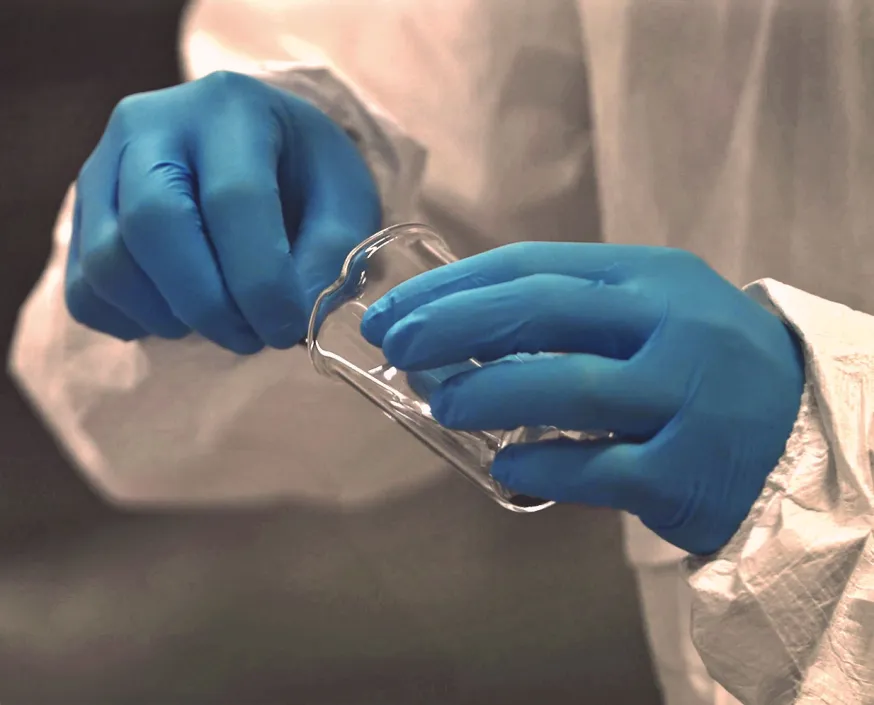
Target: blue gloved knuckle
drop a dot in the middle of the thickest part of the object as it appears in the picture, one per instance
(172, 180)
(115, 283)
(321, 131)
(76, 298)
(263, 296)
(143, 213)
(83, 178)
(228, 83)
(127, 111)
(87, 310)
(206, 315)
(224, 196)
(218, 194)
(98, 261)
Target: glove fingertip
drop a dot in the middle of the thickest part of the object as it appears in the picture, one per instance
(505, 462)
(442, 408)
(398, 344)
(516, 469)
(374, 324)
(504, 473)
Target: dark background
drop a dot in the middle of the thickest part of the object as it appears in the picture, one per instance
(77, 624)
(65, 64)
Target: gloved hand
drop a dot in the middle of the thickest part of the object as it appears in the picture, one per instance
(222, 206)
(700, 383)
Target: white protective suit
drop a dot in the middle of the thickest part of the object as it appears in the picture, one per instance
(742, 130)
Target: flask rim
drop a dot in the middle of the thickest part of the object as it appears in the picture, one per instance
(366, 248)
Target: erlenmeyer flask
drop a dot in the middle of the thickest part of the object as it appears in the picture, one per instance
(338, 350)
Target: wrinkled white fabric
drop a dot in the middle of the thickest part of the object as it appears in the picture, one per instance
(795, 586)
(738, 129)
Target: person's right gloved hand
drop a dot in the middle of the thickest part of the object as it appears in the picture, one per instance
(222, 206)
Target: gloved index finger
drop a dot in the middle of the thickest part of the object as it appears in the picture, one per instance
(588, 260)
(534, 314)
(237, 158)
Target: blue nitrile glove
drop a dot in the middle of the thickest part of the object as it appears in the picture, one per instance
(221, 206)
(701, 384)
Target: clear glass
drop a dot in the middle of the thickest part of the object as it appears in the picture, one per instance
(338, 350)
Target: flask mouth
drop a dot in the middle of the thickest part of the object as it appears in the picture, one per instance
(353, 277)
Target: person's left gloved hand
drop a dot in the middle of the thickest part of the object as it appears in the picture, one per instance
(700, 383)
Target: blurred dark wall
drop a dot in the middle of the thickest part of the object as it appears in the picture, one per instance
(66, 63)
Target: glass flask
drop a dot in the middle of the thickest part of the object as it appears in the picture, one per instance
(338, 350)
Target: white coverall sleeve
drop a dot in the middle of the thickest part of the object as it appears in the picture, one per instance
(785, 613)
(185, 422)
